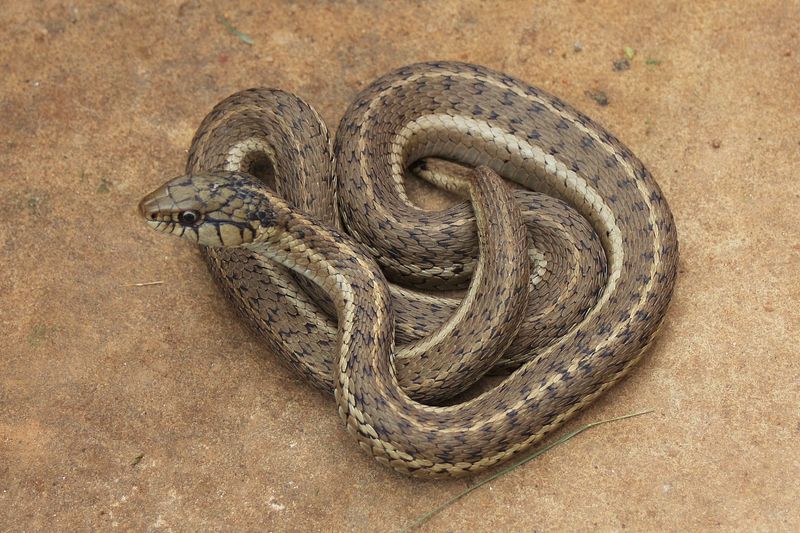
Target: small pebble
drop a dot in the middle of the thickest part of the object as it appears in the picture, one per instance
(621, 64)
(598, 96)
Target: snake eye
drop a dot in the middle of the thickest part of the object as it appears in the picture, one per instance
(188, 218)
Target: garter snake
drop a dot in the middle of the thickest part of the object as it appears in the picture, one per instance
(596, 211)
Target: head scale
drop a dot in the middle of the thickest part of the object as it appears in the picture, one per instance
(212, 209)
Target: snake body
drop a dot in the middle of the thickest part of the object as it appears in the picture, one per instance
(625, 239)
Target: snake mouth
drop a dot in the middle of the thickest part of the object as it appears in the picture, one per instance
(161, 226)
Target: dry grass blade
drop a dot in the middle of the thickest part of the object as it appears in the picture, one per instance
(146, 284)
(427, 516)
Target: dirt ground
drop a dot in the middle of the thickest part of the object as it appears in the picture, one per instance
(152, 407)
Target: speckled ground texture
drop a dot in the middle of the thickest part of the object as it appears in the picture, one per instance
(153, 407)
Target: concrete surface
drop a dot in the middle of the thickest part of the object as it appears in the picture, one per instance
(152, 407)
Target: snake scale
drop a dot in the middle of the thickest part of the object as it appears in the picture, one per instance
(567, 265)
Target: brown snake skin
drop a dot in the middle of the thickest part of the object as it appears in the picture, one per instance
(597, 211)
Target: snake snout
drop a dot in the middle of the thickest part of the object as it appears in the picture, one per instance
(152, 205)
(146, 209)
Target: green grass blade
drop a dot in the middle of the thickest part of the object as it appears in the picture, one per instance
(246, 39)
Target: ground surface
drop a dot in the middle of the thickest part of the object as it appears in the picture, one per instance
(153, 407)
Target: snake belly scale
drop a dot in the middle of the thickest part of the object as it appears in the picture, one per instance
(621, 254)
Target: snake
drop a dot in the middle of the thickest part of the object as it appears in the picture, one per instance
(321, 249)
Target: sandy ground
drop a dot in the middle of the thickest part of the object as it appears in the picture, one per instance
(155, 408)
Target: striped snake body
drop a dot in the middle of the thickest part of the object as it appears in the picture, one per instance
(596, 210)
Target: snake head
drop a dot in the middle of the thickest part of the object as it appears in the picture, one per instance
(214, 209)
